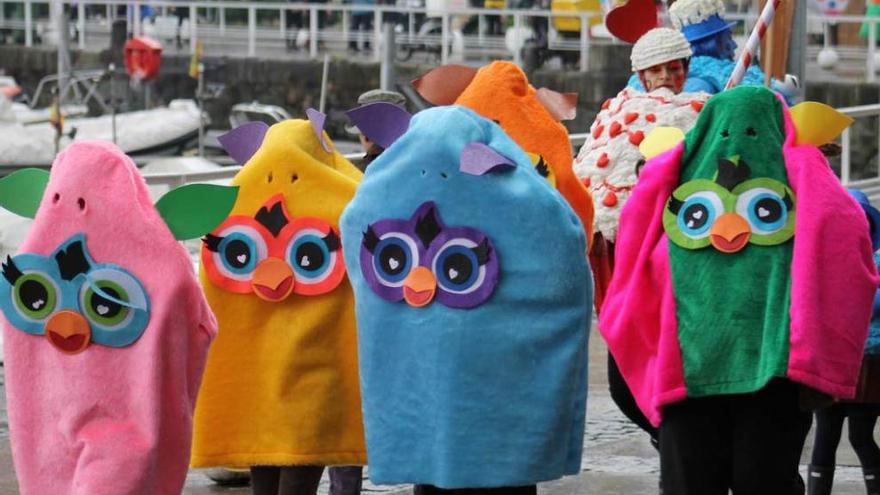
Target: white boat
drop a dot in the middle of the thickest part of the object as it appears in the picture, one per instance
(153, 131)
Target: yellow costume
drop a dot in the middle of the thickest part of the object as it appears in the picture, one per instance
(281, 384)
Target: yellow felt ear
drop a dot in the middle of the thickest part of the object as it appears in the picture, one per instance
(660, 140)
(817, 123)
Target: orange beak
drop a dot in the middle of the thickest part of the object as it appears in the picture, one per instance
(730, 233)
(419, 287)
(273, 280)
(68, 331)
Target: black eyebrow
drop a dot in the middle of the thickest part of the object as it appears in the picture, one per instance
(72, 261)
(675, 204)
(273, 219)
(427, 227)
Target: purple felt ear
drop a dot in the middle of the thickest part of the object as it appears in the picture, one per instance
(479, 159)
(317, 120)
(242, 142)
(381, 122)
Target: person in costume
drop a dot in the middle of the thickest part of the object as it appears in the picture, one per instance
(863, 410)
(105, 330)
(501, 92)
(473, 356)
(702, 23)
(711, 314)
(281, 392)
(610, 159)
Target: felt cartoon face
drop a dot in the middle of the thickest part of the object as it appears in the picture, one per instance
(731, 211)
(273, 255)
(420, 257)
(501, 92)
(69, 297)
(272, 245)
(73, 300)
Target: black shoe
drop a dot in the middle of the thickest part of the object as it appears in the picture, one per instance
(819, 480)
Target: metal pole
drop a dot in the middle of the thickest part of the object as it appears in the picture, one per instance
(80, 24)
(517, 28)
(386, 69)
(377, 33)
(193, 28)
(872, 49)
(282, 24)
(313, 32)
(112, 69)
(324, 76)
(585, 43)
(200, 98)
(138, 28)
(222, 14)
(444, 40)
(252, 31)
(28, 24)
(844, 157)
(57, 10)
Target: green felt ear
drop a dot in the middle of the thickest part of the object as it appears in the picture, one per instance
(22, 191)
(194, 210)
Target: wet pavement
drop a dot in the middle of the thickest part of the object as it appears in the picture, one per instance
(618, 459)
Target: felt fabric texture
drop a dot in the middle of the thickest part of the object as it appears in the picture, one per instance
(109, 419)
(457, 396)
(748, 341)
(501, 92)
(281, 385)
(832, 283)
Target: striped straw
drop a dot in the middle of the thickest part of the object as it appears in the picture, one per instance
(751, 48)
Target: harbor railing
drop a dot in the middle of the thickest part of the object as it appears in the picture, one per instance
(270, 29)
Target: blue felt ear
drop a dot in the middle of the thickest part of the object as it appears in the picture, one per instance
(381, 122)
(317, 119)
(480, 159)
(242, 142)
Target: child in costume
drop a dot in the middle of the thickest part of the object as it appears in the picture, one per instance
(106, 329)
(730, 292)
(473, 297)
(501, 92)
(863, 410)
(281, 391)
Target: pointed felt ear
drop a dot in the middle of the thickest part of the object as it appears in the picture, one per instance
(242, 142)
(480, 159)
(817, 123)
(562, 106)
(381, 122)
(443, 85)
(660, 140)
(22, 190)
(317, 119)
(195, 210)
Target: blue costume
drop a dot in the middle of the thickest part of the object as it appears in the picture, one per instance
(473, 300)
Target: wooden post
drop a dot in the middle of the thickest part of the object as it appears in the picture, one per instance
(774, 48)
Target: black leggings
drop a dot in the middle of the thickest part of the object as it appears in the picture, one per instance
(433, 490)
(623, 397)
(829, 424)
(304, 480)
